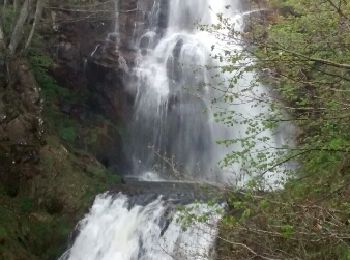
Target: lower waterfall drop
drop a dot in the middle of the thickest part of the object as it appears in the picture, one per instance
(116, 230)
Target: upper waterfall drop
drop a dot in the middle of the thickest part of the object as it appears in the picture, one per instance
(173, 102)
(176, 79)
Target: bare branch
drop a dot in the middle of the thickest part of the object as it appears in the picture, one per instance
(325, 62)
(37, 17)
(338, 9)
(247, 248)
(17, 33)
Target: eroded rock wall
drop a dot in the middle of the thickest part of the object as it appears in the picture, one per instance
(97, 54)
(87, 60)
(20, 127)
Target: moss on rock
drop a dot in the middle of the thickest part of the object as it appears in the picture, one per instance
(36, 223)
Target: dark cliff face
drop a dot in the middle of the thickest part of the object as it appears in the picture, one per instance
(90, 54)
(75, 41)
(135, 16)
(20, 127)
(87, 60)
(60, 130)
(97, 56)
(61, 124)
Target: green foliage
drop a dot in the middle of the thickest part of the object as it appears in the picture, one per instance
(113, 179)
(8, 19)
(346, 254)
(301, 51)
(41, 63)
(37, 222)
(68, 134)
(287, 231)
(66, 128)
(304, 49)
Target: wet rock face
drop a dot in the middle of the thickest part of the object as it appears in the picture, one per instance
(134, 19)
(92, 56)
(142, 193)
(129, 16)
(76, 41)
(87, 57)
(21, 107)
(257, 17)
(106, 71)
(173, 64)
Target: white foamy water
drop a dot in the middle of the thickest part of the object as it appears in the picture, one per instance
(115, 230)
(176, 85)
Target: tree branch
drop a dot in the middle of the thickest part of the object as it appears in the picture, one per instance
(17, 33)
(37, 17)
(338, 9)
(247, 248)
(326, 62)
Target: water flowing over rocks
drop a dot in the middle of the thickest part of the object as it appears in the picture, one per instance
(153, 67)
(115, 230)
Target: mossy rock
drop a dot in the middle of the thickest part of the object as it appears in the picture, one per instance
(35, 225)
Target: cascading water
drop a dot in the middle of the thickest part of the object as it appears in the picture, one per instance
(173, 99)
(116, 230)
(175, 89)
(173, 130)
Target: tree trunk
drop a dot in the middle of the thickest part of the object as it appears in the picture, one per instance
(15, 5)
(37, 17)
(17, 33)
(3, 12)
(2, 40)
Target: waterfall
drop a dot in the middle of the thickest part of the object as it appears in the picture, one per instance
(116, 230)
(173, 136)
(173, 98)
(173, 133)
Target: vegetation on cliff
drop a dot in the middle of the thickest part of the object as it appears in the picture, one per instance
(301, 49)
(51, 155)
